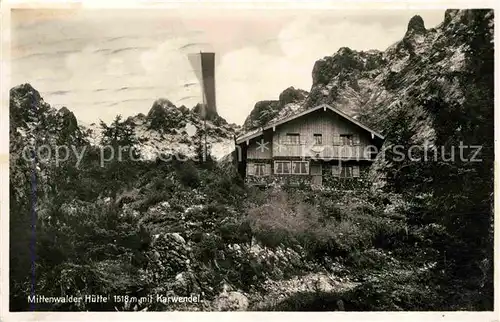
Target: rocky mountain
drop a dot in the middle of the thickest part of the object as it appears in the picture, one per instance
(35, 126)
(170, 129)
(32, 117)
(289, 102)
(370, 85)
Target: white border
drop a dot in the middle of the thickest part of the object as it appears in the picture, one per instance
(217, 316)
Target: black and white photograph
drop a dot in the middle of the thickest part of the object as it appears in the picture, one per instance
(236, 159)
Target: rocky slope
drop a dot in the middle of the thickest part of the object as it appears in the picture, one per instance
(369, 85)
(166, 129)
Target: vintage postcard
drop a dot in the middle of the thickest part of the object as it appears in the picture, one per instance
(248, 157)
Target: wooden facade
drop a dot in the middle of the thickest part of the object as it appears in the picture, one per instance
(308, 147)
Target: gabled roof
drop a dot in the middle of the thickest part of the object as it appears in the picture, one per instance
(258, 132)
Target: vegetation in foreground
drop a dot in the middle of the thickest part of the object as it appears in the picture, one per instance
(181, 228)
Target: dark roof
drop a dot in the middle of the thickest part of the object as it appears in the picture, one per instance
(258, 132)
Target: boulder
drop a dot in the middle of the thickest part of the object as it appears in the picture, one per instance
(178, 238)
(231, 301)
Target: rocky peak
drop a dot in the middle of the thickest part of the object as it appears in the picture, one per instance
(212, 115)
(64, 111)
(26, 105)
(160, 107)
(290, 100)
(68, 118)
(25, 91)
(291, 95)
(345, 61)
(364, 83)
(31, 115)
(416, 26)
(449, 14)
(163, 115)
(24, 99)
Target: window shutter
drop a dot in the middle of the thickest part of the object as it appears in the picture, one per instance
(276, 165)
(355, 171)
(336, 171)
(267, 169)
(251, 169)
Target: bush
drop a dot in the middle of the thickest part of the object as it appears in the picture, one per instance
(188, 174)
(281, 222)
(234, 231)
(206, 249)
(89, 249)
(389, 293)
(323, 225)
(153, 199)
(224, 186)
(342, 237)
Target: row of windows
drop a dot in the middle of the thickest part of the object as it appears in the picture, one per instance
(302, 167)
(291, 167)
(349, 171)
(338, 139)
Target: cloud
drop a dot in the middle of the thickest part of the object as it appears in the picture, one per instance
(86, 69)
(115, 67)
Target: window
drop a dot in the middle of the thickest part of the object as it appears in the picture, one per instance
(345, 171)
(282, 167)
(318, 139)
(291, 167)
(260, 169)
(346, 139)
(300, 167)
(293, 138)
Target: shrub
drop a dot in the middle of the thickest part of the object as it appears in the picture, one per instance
(234, 231)
(342, 237)
(153, 199)
(206, 249)
(188, 174)
(322, 225)
(89, 249)
(281, 222)
(224, 186)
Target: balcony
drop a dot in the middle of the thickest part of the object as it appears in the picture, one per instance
(303, 150)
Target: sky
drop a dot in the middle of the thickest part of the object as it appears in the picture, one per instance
(104, 62)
